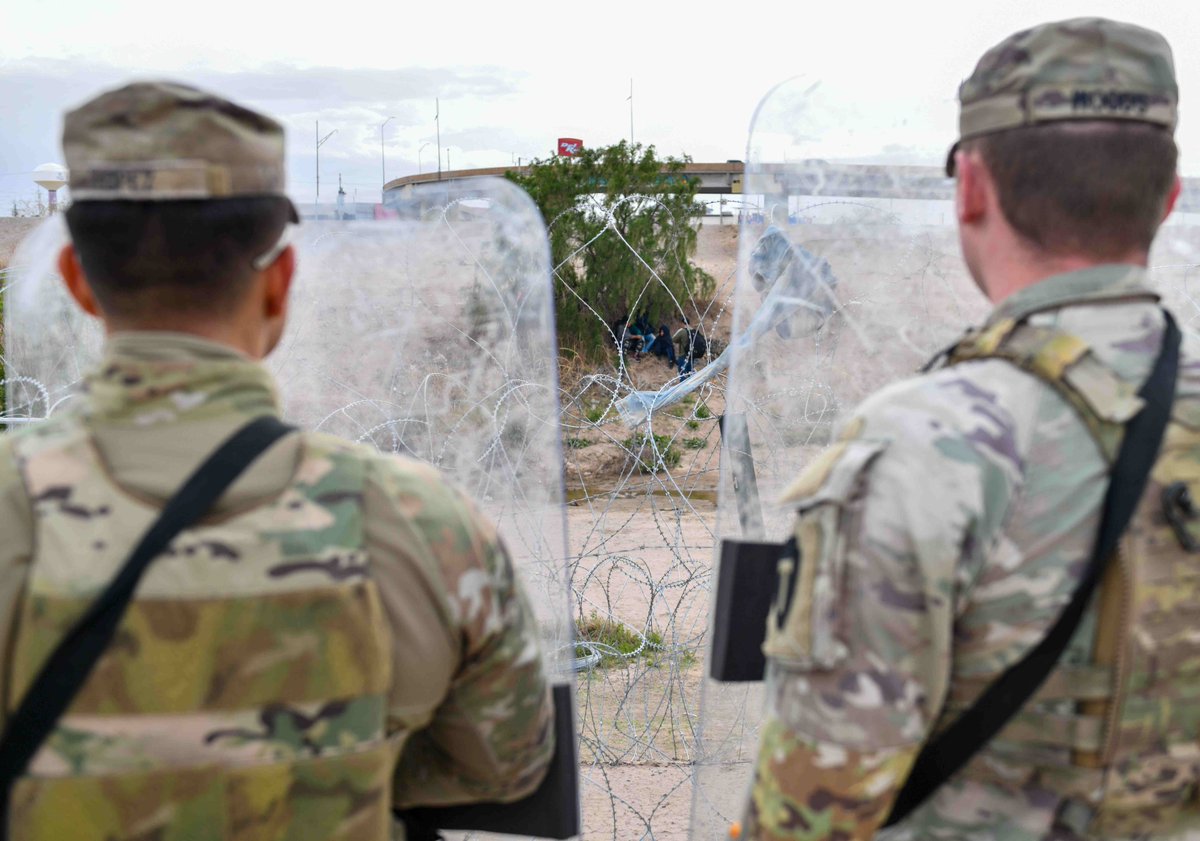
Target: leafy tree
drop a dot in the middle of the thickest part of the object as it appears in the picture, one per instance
(650, 206)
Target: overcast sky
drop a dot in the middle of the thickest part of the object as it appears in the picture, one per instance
(513, 76)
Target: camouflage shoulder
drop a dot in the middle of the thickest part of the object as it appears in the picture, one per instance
(415, 487)
(16, 448)
(961, 401)
(61, 430)
(425, 502)
(942, 453)
(324, 444)
(959, 413)
(10, 472)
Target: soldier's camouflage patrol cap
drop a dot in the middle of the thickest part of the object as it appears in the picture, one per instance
(1081, 69)
(164, 141)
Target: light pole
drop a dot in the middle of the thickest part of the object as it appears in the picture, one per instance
(320, 142)
(448, 167)
(382, 159)
(630, 101)
(437, 119)
(419, 151)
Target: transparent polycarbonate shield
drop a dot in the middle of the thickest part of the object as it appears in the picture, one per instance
(49, 344)
(849, 278)
(429, 333)
(1175, 257)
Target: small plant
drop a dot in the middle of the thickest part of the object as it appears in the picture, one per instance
(693, 443)
(578, 443)
(652, 453)
(688, 399)
(693, 424)
(596, 413)
(615, 642)
(702, 411)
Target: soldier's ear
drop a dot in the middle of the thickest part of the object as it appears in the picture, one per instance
(1172, 198)
(72, 274)
(971, 187)
(279, 282)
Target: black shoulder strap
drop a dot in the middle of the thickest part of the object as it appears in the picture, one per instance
(69, 665)
(951, 749)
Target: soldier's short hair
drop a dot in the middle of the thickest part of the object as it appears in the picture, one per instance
(147, 258)
(1097, 188)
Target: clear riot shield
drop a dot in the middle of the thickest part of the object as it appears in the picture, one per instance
(49, 344)
(850, 277)
(429, 333)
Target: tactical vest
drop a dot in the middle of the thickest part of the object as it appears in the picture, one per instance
(244, 695)
(1115, 730)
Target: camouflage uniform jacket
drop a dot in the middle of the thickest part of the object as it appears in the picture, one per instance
(344, 633)
(941, 537)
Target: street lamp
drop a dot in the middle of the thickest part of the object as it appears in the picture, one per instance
(419, 151)
(320, 143)
(437, 119)
(382, 159)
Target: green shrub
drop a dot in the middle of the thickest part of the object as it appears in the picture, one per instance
(596, 413)
(693, 424)
(578, 443)
(693, 443)
(649, 453)
(702, 411)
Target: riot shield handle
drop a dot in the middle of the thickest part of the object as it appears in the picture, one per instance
(552, 811)
(747, 584)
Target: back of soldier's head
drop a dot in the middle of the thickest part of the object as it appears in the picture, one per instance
(175, 194)
(1075, 121)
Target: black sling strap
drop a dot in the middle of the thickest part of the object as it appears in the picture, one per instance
(951, 749)
(69, 665)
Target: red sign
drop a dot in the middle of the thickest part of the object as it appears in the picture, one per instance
(569, 146)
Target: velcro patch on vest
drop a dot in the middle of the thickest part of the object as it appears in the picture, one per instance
(1110, 397)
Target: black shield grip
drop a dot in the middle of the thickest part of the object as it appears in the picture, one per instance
(747, 583)
(552, 811)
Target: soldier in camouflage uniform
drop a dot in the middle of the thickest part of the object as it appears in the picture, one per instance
(344, 634)
(944, 532)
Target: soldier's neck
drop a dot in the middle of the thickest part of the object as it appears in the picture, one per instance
(248, 338)
(1011, 270)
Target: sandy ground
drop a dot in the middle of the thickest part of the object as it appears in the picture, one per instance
(643, 559)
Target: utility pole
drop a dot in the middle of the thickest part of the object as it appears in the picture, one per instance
(630, 100)
(448, 167)
(382, 159)
(437, 119)
(320, 143)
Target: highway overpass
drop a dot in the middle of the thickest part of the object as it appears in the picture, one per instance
(807, 178)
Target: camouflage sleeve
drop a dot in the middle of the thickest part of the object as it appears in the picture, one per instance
(892, 522)
(480, 671)
(16, 524)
